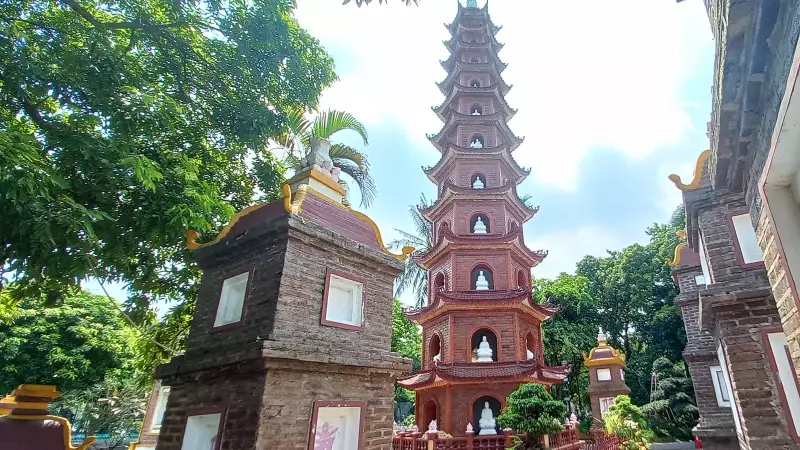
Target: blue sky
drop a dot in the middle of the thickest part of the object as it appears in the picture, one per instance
(613, 95)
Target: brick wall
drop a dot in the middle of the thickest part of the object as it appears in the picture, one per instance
(464, 261)
(466, 169)
(494, 210)
(442, 328)
(465, 396)
(490, 135)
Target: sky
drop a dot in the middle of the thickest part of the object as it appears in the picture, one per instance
(612, 96)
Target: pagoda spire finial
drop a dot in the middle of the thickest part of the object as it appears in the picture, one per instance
(472, 3)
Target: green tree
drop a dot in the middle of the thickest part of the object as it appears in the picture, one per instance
(531, 410)
(407, 341)
(297, 142)
(75, 346)
(570, 333)
(122, 124)
(671, 412)
(627, 422)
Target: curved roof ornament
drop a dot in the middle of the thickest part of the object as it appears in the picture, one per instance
(698, 174)
(676, 258)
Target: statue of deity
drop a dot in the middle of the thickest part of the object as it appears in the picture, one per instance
(480, 227)
(481, 284)
(475, 112)
(530, 354)
(484, 351)
(476, 144)
(487, 422)
(478, 184)
(438, 356)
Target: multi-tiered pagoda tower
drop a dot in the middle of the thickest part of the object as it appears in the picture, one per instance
(481, 328)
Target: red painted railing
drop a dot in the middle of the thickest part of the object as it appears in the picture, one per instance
(602, 441)
(569, 439)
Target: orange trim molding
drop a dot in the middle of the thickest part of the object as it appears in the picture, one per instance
(676, 258)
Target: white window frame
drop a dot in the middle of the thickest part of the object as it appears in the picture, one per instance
(340, 289)
(604, 371)
(787, 384)
(605, 404)
(701, 250)
(734, 406)
(346, 418)
(232, 296)
(202, 423)
(700, 280)
(747, 241)
(160, 409)
(720, 387)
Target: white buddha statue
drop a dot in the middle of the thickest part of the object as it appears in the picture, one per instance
(476, 144)
(476, 112)
(481, 284)
(487, 422)
(478, 184)
(484, 351)
(530, 354)
(438, 356)
(480, 227)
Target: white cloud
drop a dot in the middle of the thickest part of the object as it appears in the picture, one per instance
(586, 74)
(569, 246)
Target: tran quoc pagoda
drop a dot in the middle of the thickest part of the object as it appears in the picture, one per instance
(482, 334)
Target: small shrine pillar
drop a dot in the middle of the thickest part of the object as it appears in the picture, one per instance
(606, 377)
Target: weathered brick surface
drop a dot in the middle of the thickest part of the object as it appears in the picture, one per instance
(269, 371)
(465, 325)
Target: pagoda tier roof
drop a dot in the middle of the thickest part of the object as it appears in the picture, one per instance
(448, 63)
(447, 301)
(454, 43)
(452, 152)
(447, 241)
(449, 82)
(445, 373)
(455, 26)
(450, 192)
(440, 138)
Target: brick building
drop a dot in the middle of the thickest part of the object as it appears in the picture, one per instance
(290, 340)
(481, 327)
(606, 377)
(743, 219)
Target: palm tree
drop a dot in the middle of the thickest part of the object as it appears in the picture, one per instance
(297, 143)
(413, 276)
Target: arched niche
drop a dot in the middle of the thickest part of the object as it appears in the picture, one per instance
(475, 224)
(477, 141)
(477, 338)
(476, 110)
(474, 60)
(439, 281)
(477, 407)
(530, 346)
(478, 181)
(522, 280)
(476, 275)
(430, 412)
(475, 83)
(435, 347)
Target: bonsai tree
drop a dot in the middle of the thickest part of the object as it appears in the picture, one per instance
(627, 422)
(671, 412)
(531, 410)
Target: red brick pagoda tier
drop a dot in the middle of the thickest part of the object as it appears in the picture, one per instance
(481, 328)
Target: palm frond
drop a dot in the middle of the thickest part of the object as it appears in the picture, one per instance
(332, 121)
(291, 139)
(346, 152)
(362, 178)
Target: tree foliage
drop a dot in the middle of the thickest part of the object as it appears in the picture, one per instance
(75, 346)
(627, 422)
(407, 341)
(413, 276)
(122, 124)
(531, 410)
(671, 412)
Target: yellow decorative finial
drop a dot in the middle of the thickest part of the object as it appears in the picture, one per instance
(698, 174)
(676, 257)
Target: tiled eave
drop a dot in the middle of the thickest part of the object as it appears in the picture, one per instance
(457, 89)
(443, 374)
(453, 152)
(451, 192)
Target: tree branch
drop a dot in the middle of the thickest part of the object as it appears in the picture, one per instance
(89, 17)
